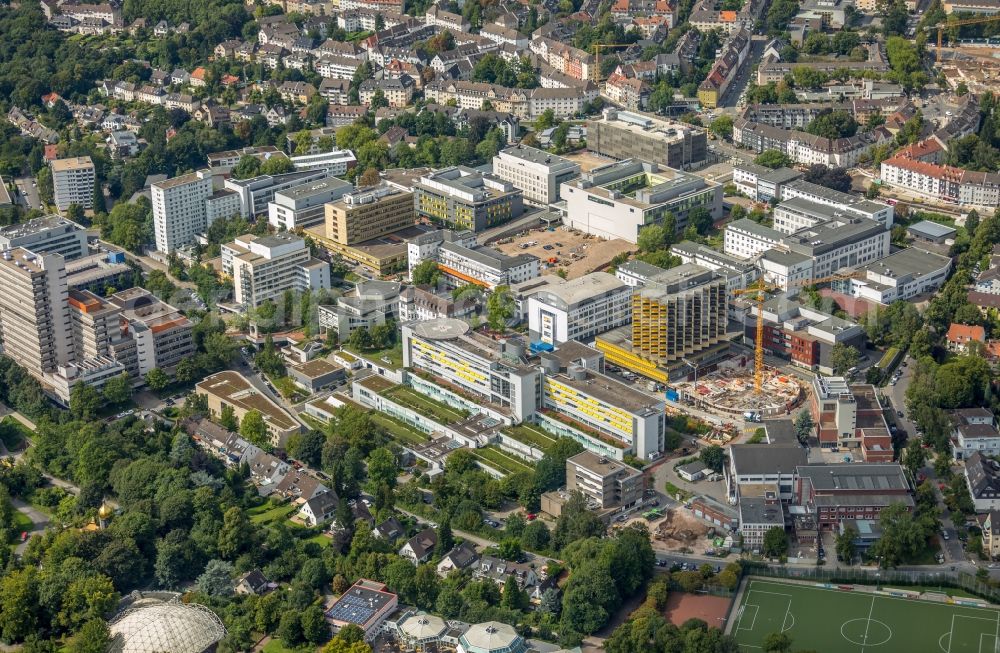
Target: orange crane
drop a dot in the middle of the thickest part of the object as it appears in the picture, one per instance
(760, 289)
(940, 27)
(597, 53)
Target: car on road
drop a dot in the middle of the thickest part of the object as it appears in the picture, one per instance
(531, 516)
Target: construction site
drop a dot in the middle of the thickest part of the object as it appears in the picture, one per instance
(729, 391)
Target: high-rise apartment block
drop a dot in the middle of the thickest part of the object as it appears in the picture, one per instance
(264, 267)
(49, 234)
(185, 206)
(34, 314)
(73, 182)
(536, 172)
(677, 314)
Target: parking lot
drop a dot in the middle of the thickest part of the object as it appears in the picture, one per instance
(571, 250)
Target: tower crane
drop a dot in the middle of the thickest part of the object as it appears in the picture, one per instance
(759, 290)
(940, 27)
(605, 46)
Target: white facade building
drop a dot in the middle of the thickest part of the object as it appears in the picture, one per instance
(335, 162)
(185, 206)
(264, 267)
(73, 182)
(51, 233)
(579, 309)
(536, 172)
(303, 206)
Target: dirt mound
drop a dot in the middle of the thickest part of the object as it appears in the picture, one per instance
(679, 529)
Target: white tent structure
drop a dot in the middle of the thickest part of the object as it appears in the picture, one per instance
(152, 625)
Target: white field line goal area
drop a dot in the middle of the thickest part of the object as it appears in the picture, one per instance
(765, 611)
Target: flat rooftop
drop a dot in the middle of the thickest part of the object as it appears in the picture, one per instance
(361, 603)
(72, 163)
(601, 465)
(38, 225)
(909, 262)
(930, 229)
(862, 477)
(317, 368)
(755, 510)
(582, 289)
(321, 187)
(533, 155)
(610, 392)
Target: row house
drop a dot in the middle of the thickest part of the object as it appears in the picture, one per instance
(151, 95)
(388, 6)
(629, 93)
(300, 92)
(336, 91)
(446, 19)
(564, 58)
(340, 115)
(181, 101)
(804, 148)
(271, 55)
(943, 182)
(398, 91)
(504, 35)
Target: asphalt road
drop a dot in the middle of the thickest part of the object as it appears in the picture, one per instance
(27, 193)
(735, 90)
(38, 522)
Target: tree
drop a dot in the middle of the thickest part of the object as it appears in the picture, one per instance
(157, 379)
(217, 579)
(84, 400)
(846, 544)
(236, 535)
(803, 426)
(248, 166)
(843, 357)
(315, 628)
(276, 165)
(426, 273)
(500, 307)
(654, 238)
(722, 127)
(228, 418)
(514, 597)
(914, 458)
(701, 219)
(773, 159)
(775, 542)
(777, 643)
(902, 536)
(382, 468)
(510, 549)
(833, 124)
(253, 428)
(93, 637)
(445, 539)
(118, 390)
(369, 177)
(714, 457)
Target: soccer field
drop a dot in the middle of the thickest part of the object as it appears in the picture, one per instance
(835, 620)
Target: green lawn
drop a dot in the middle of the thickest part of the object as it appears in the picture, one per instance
(531, 435)
(267, 514)
(399, 430)
(436, 410)
(21, 524)
(392, 357)
(834, 620)
(500, 460)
